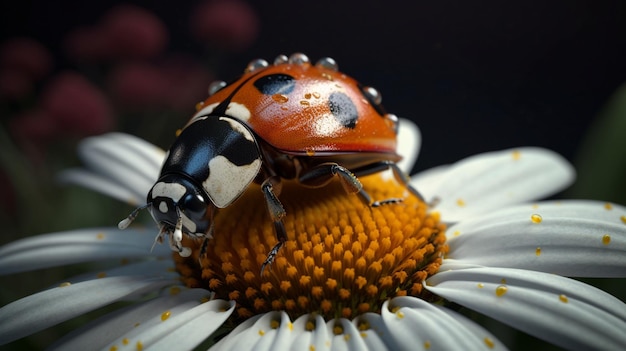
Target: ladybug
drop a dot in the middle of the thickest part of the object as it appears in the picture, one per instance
(288, 120)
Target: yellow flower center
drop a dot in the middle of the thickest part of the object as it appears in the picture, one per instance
(341, 259)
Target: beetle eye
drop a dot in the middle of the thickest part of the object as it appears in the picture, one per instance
(194, 206)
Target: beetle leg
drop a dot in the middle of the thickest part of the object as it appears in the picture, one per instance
(205, 242)
(322, 174)
(403, 179)
(271, 187)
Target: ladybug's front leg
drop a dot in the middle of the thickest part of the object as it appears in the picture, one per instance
(271, 188)
(205, 242)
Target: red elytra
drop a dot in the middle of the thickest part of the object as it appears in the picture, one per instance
(299, 107)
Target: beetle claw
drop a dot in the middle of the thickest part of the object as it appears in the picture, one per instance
(281, 235)
(271, 256)
(387, 202)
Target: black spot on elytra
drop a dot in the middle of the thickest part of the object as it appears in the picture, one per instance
(275, 84)
(343, 109)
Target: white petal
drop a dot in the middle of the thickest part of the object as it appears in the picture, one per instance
(349, 339)
(130, 163)
(316, 339)
(108, 328)
(239, 338)
(133, 194)
(573, 238)
(50, 307)
(489, 340)
(416, 324)
(260, 332)
(274, 331)
(374, 333)
(409, 142)
(155, 268)
(560, 310)
(126, 150)
(83, 245)
(489, 181)
(181, 327)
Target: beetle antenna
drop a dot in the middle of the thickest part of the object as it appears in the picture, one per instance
(124, 223)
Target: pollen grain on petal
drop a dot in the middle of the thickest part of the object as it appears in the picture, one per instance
(489, 342)
(501, 290)
(535, 218)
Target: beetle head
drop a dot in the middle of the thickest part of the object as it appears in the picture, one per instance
(177, 204)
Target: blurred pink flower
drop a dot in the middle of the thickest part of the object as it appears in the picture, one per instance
(187, 82)
(33, 130)
(137, 84)
(76, 106)
(26, 55)
(230, 25)
(178, 82)
(134, 32)
(33, 125)
(23, 61)
(124, 32)
(14, 84)
(69, 106)
(86, 44)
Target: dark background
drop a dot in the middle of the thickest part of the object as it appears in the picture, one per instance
(475, 76)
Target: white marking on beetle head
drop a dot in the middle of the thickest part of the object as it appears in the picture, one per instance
(172, 191)
(239, 128)
(228, 181)
(238, 111)
(189, 224)
(163, 207)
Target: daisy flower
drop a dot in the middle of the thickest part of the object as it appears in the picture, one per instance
(349, 277)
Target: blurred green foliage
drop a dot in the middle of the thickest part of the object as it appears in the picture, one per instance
(601, 160)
